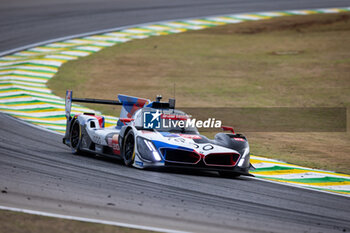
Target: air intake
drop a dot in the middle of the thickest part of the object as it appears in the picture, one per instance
(221, 159)
(180, 156)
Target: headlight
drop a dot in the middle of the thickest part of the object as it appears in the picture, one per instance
(147, 150)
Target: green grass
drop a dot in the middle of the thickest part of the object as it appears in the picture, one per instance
(297, 61)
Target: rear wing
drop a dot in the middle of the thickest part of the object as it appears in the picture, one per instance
(70, 99)
(68, 104)
(130, 104)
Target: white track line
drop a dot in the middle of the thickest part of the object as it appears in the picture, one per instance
(91, 220)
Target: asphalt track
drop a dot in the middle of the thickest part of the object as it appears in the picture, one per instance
(38, 172)
(24, 22)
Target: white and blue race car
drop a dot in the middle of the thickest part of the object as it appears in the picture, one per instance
(155, 134)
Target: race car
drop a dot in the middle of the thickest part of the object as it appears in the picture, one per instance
(153, 134)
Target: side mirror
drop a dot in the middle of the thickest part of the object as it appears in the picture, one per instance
(172, 103)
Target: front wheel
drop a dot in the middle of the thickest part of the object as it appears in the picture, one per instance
(129, 148)
(75, 138)
(228, 174)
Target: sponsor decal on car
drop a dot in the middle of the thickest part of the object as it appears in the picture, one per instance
(239, 139)
(190, 136)
(115, 144)
(138, 163)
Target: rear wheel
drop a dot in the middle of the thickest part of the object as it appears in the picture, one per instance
(129, 148)
(75, 138)
(228, 174)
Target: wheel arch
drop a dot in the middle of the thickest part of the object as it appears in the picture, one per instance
(123, 132)
(69, 125)
(75, 146)
(128, 157)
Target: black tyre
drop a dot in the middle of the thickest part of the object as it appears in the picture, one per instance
(228, 174)
(129, 148)
(75, 138)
